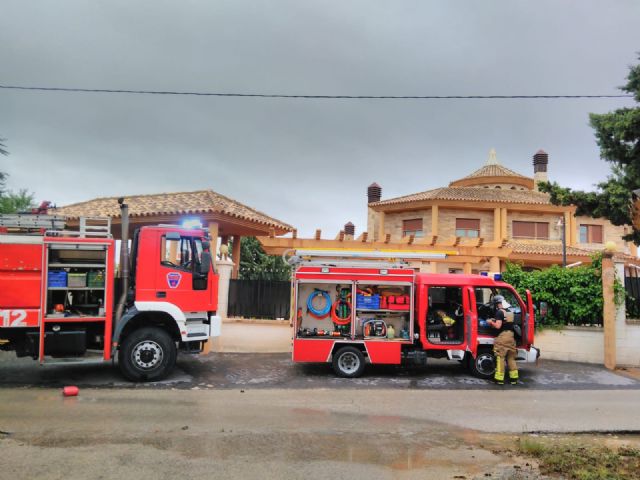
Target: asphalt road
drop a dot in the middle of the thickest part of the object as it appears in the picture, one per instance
(268, 371)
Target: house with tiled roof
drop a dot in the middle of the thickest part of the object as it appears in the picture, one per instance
(489, 217)
(225, 218)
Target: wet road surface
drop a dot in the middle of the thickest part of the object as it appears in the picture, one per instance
(238, 370)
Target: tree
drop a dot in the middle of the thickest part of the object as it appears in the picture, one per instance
(618, 136)
(257, 265)
(11, 202)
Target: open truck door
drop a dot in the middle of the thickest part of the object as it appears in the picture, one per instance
(528, 322)
(471, 320)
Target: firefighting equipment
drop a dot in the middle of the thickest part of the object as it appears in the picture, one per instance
(375, 328)
(323, 312)
(391, 332)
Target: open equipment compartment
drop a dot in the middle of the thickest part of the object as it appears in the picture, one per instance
(384, 311)
(324, 309)
(354, 304)
(76, 274)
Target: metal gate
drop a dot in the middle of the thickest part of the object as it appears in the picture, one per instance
(270, 299)
(632, 287)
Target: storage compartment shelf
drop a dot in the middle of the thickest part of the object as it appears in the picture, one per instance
(75, 288)
(74, 318)
(370, 310)
(77, 265)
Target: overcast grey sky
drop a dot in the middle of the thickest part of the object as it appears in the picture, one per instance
(306, 162)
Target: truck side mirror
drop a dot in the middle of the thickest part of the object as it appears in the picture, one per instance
(205, 264)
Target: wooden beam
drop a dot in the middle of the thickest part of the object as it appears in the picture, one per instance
(277, 245)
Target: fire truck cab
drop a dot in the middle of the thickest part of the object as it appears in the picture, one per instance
(352, 313)
(60, 300)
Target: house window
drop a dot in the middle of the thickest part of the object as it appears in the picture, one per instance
(533, 230)
(590, 233)
(467, 227)
(412, 227)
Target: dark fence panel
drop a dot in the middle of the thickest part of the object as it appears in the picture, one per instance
(259, 299)
(632, 286)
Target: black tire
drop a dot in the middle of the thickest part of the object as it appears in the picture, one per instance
(147, 355)
(348, 362)
(484, 365)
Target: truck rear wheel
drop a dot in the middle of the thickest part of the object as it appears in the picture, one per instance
(147, 355)
(484, 365)
(348, 362)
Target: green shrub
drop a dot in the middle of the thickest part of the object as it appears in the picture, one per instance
(573, 295)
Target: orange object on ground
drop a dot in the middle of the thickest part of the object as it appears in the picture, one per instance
(70, 391)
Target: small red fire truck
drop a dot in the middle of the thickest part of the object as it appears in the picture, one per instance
(353, 312)
(59, 298)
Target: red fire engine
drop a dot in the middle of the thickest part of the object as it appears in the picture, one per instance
(59, 298)
(349, 313)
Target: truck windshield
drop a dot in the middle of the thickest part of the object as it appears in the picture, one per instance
(177, 253)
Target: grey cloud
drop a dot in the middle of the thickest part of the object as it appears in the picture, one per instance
(306, 162)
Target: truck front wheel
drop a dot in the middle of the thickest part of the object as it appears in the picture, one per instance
(147, 355)
(348, 362)
(484, 365)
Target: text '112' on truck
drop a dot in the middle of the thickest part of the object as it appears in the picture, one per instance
(60, 300)
(352, 309)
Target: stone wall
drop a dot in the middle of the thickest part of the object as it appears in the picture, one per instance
(574, 344)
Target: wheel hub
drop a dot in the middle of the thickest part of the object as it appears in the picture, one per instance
(349, 362)
(147, 354)
(485, 363)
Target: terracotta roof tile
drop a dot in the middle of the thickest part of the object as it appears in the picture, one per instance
(477, 194)
(494, 170)
(202, 201)
(542, 247)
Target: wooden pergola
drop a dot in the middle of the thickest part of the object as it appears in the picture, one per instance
(224, 217)
(462, 251)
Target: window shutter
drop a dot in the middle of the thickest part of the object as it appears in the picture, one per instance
(542, 230)
(524, 229)
(467, 223)
(596, 233)
(412, 225)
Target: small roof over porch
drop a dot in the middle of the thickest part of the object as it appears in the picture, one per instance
(223, 216)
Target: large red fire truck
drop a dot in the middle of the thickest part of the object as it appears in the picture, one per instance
(352, 312)
(60, 301)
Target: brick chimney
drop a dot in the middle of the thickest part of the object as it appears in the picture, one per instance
(540, 162)
(349, 229)
(374, 193)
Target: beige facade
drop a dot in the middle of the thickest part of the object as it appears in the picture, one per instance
(512, 215)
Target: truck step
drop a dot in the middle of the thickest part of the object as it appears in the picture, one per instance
(91, 358)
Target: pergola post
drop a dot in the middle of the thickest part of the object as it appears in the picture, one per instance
(235, 256)
(494, 264)
(213, 233)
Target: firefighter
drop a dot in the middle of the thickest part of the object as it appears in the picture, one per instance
(504, 346)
